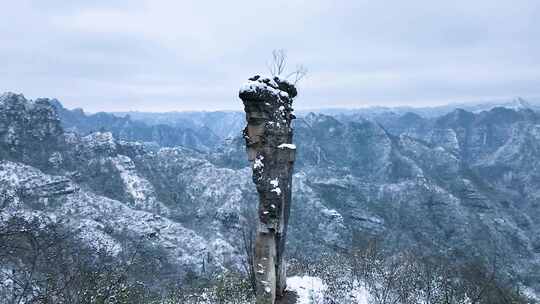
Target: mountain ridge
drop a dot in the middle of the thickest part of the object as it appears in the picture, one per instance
(461, 182)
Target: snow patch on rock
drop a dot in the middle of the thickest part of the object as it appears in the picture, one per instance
(287, 146)
(137, 187)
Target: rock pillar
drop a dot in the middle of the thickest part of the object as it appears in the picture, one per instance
(268, 135)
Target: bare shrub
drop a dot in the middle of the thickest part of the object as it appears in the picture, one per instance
(278, 65)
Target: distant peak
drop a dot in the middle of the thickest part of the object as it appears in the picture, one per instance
(12, 96)
(457, 117)
(520, 103)
(55, 103)
(313, 118)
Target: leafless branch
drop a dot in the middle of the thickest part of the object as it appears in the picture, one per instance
(298, 74)
(248, 244)
(278, 63)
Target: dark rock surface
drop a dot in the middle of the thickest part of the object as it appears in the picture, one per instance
(268, 136)
(29, 131)
(288, 298)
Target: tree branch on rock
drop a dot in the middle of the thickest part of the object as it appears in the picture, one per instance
(278, 65)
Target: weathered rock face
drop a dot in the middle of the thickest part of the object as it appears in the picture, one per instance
(29, 131)
(465, 181)
(125, 128)
(268, 135)
(106, 190)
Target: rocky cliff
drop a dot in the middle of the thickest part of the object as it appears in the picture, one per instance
(463, 182)
(122, 126)
(268, 135)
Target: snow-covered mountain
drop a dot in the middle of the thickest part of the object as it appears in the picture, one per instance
(122, 126)
(462, 182)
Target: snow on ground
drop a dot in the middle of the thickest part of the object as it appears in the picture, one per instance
(310, 290)
(359, 294)
(529, 292)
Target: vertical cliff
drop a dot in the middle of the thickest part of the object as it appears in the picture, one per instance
(268, 135)
(30, 131)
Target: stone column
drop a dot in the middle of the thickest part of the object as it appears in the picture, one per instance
(268, 135)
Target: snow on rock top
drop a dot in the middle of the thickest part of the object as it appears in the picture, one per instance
(275, 85)
(31, 182)
(99, 141)
(261, 84)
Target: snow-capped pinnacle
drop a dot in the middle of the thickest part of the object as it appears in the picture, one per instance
(254, 86)
(275, 85)
(268, 106)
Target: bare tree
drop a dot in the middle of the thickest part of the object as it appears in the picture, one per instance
(299, 73)
(45, 262)
(248, 245)
(278, 65)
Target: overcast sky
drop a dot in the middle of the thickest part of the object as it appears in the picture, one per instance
(150, 55)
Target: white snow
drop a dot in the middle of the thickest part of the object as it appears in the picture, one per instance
(331, 213)
(529, 292)
(287, 146)
(274, 182)
(360, 294)
(310, 290)
(258, 85)
(258, 162)
(99, 140)
(139, 188)
(276, 190)
(92, 215)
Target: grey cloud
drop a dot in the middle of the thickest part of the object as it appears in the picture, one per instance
(186, 55)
